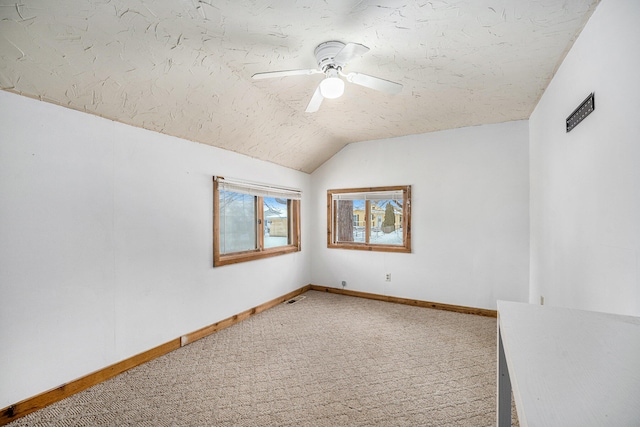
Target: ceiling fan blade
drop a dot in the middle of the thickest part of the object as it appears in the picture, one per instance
(349, 52)
(315, 102)
(272, 74)
(375, 83)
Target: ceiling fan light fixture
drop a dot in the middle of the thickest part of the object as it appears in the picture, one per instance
(332, 57)
(332, 87)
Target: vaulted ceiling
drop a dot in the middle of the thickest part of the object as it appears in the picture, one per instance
(184, 67)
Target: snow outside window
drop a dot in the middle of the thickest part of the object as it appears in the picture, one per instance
(253, 221)
(276, 222)
(374, 219)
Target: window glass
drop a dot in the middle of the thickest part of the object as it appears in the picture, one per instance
(253, 221)
(237, 222)
(373, 219)
(386, 222)
(276, 222)
(350, 221)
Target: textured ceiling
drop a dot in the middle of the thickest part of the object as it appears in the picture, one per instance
(184, 67)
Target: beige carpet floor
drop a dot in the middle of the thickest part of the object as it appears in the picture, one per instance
(325, 360)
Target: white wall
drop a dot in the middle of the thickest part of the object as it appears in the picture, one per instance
(470, 216)
(585, 185)
(106, 243)
(105, 229)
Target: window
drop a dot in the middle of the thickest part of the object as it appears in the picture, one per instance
(253, 221)
(370, 219)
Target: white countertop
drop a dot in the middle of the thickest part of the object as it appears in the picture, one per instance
(572, 367)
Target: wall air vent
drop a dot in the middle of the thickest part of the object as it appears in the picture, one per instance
(579, 114)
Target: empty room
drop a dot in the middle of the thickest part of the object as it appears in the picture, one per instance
(319, 212)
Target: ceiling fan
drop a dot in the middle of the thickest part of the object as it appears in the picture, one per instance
(332, 57)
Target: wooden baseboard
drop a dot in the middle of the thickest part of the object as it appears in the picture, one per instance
(42, 400)
(407, 301)
(46, 398)
(208, 330)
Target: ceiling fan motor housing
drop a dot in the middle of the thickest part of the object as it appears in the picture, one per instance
(325, 52)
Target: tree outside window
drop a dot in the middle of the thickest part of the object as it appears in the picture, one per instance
(375, 219)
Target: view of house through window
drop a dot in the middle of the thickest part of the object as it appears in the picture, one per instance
(253, 221)
(370, 219)
(276, 222)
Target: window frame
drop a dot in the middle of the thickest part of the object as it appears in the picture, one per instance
(332, 242)
(220, 259)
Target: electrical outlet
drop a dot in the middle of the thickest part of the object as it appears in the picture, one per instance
(344, 283)
(388, 277)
